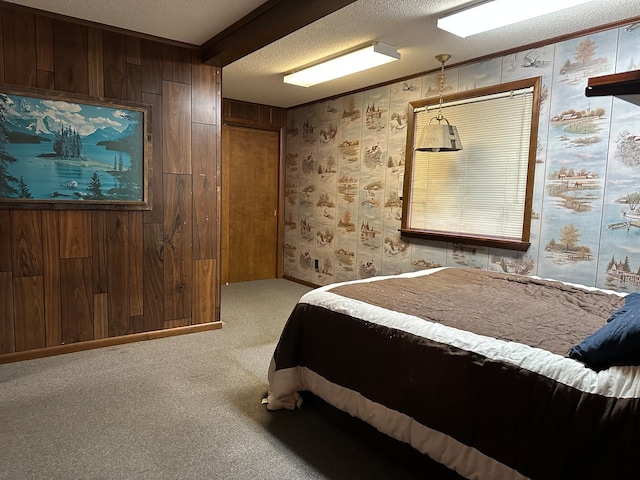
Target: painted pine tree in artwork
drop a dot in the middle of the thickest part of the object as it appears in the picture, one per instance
(95, 188)
(23, 189)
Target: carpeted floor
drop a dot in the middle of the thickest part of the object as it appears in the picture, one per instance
(187, 407)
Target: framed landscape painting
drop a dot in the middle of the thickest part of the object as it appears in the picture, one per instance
(62, 151)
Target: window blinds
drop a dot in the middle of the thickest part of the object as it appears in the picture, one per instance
(480, 190)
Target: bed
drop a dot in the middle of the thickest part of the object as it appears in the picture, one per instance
(495, 375)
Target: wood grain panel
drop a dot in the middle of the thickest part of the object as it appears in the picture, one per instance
(134, 83)
(70, 57)
(44, 44)
(133, 50)
(204, 191)
(26, 242)
(253, 115)
(28, 299)
(205, 98)
(99, 249)
(71, 276)
(156, 214)
(77, 300)
(51, 252)
(95, 62)
(45, 80)
(2, 77)
(135, 265)
(176, 63)
(178, 266)
(118, 272)
(153, 255)
(177, 323)
(19, 31)
(75, 233)
(151, 60)
(100, 316)
(5, 241)
(115, 65)
(176, 127)
(136, 324)
(7, 330)
(204, 294)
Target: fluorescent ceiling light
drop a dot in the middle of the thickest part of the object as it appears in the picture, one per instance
(345, 64)
(498, 13)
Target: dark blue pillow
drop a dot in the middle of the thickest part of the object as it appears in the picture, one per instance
(631, 301)
(617, 342)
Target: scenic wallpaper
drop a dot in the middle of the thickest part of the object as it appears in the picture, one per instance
(345, 157)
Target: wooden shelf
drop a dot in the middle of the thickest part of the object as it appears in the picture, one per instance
(625, 85)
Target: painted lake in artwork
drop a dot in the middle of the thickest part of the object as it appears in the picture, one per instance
(65, 179)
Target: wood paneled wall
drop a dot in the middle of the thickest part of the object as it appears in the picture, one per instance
(78, 276)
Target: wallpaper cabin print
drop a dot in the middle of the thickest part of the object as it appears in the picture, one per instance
(345, 157)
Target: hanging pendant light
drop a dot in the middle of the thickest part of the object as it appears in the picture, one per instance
(439, 137)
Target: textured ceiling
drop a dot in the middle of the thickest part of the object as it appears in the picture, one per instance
(410, 25)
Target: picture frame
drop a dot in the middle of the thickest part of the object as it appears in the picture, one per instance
(65, 151)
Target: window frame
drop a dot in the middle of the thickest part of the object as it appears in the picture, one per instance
(521, 244)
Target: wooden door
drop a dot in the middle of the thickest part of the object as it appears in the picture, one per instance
(250, 160)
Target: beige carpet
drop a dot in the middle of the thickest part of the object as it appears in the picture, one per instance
(186, 407)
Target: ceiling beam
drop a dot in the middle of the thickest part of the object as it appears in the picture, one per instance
(269, 22)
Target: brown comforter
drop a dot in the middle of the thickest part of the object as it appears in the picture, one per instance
(536, 312)
(444, 365)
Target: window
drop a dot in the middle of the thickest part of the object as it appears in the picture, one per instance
(482, 193)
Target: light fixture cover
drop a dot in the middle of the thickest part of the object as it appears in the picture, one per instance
(438, 137)
(498, 13)
(351, 62)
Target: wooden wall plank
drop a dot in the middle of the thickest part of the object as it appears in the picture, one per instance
(115, 65)
(2, 76)
(44, 44)
(178, 266)
(7, 329)
(77, 300)
(204, 191)
(176, 63)
(100, 316)
(204, 99)
(136, 270)
(151, 53)
(75, 233)
(178, 322)
(153, 291)
(118, 272)
(28, 299)
(176, 127)
(134, 83)
(5, 241)
(99, 250)
(156, 214)
(19, 31)
(95, 62)
(71, 57)
(45, 80)
(136, 324)
(204, 291)
(134, 50)
(26, 242)
(51, 253)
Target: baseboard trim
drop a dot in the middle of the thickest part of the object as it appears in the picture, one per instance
(106, 342)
